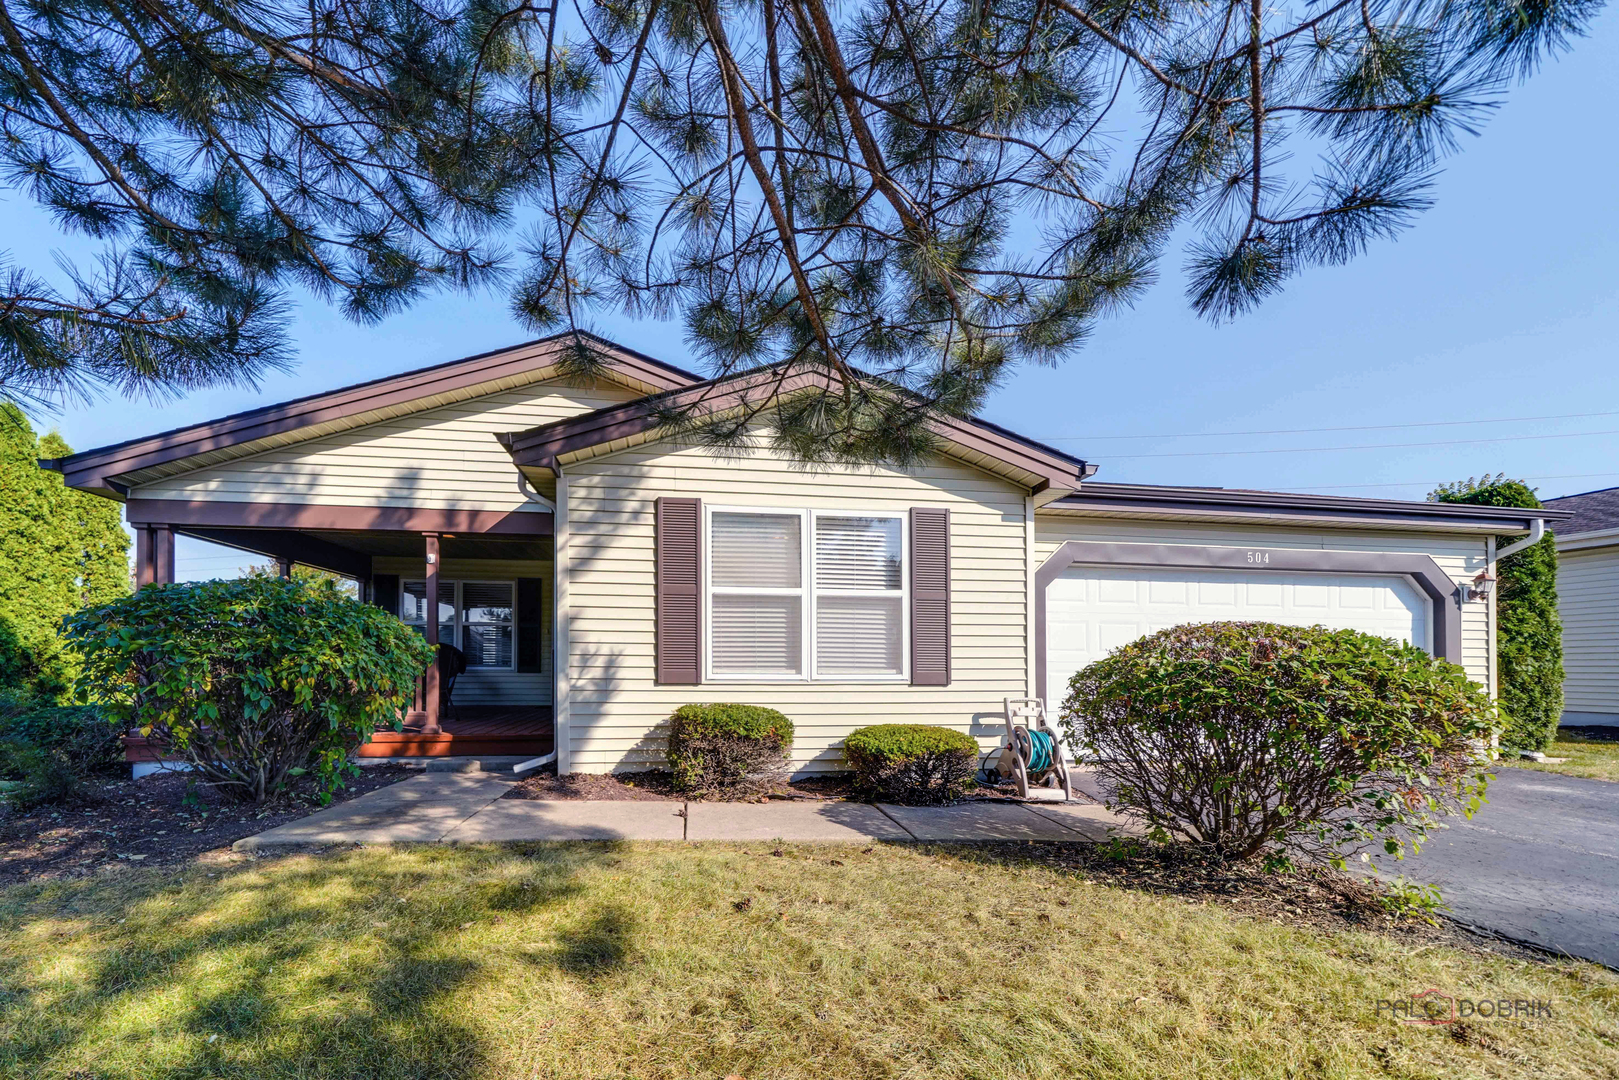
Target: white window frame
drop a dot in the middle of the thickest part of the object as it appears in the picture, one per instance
(807, 593)
(458, 622)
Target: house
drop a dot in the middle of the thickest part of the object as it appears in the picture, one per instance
(597, 572)
(1588, 604)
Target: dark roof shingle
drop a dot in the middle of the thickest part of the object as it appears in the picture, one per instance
(1593, 510)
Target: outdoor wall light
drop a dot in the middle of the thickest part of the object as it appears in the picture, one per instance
(1480, 587)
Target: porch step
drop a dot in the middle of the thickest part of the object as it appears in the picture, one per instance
(455, 765)
(487, 763)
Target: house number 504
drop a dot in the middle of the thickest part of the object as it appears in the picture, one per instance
(1259, 556)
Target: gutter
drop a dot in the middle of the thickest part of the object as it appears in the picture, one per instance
(1537, 530)
(1591, 538)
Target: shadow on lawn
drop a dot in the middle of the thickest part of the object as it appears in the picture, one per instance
(334, 965)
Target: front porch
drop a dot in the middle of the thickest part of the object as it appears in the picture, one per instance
(477, 584)
(472, 730)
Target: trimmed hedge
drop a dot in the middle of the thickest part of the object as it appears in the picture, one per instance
(1529, 635)
(912, 763)
(728, 748)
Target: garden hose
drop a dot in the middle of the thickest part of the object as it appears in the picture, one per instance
(1038, 749)
(1042, 751)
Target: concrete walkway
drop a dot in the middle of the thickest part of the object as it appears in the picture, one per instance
(467, 808)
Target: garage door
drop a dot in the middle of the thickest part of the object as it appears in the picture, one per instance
(1090, 611)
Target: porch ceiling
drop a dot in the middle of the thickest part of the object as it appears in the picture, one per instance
(451, 546)
(350, 553)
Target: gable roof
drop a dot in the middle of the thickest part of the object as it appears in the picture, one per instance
(1591, 511)
(112, 470)
(994, 449)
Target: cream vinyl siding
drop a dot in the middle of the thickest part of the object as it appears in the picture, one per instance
(1461, 557)
(1588, 603)
(445, 458)
(616, 713)
(479, 686)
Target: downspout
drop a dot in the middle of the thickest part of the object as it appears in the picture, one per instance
(1537, 530)
(531, 495)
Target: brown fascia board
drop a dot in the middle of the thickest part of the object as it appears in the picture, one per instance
(544, 446)
(95, 469)
(1153, 499)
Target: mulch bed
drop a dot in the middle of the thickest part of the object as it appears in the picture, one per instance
(546, 786)
(158, 820)
(1318, 898)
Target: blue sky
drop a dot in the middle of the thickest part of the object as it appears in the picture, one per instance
(1502, 304)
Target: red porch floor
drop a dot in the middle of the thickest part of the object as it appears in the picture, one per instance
(472, 729)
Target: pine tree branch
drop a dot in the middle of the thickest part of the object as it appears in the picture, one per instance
(761, 172)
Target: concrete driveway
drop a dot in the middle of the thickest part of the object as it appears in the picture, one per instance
(1539, 862)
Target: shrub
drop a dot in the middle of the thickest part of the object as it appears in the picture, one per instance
(912, 763)
(1253, 737)
(249, 681)
(728, 748)
(1529, 634)
(50, 751)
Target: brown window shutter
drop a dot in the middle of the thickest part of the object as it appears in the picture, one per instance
(530, 624)
(678, 579)
(930, 596)
(385, 592)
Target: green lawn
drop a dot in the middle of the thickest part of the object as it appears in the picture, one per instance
(651, 961)
(1597, 759)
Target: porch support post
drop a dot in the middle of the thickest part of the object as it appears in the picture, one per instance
(283, 566)
(163, 555)
(430, 693)
(143, 557)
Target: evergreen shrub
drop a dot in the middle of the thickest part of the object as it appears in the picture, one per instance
(1529, 634)
(1255, 738)
(912, 763)
(59, 550)
(728, 749)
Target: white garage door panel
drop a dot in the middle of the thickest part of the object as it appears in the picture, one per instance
(1090, 611)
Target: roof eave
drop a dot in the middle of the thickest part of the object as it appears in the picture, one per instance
(1147, 501)
(1591, 538)
(107, 470)
(552, 446)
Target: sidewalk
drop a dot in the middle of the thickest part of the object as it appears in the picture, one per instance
(467, 808)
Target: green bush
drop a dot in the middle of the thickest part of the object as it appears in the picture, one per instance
(912, 763)
(49, 752)
(1257, 738)
(726, 748)
(249, 681)
(59, 550)
(1529, 634)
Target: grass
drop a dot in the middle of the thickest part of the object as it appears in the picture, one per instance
(1595, 759)
(646, 961)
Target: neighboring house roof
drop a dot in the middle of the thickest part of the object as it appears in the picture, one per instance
(1167, 503)
(994, 449)
(112, 470)
(1591, 511)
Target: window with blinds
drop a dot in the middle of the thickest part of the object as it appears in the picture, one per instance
(858, 596)
(805, 594)
(477, 617)
(756, 575)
